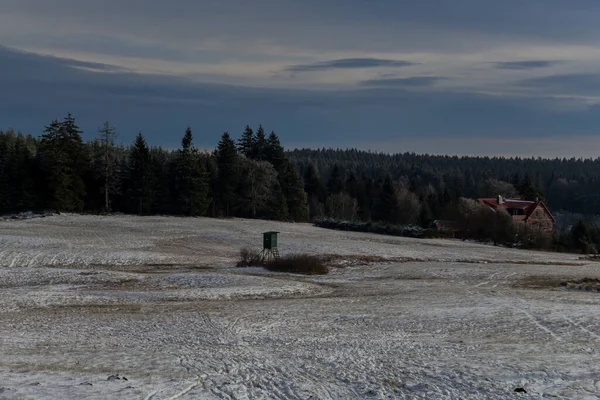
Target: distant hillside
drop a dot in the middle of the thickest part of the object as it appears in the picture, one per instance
(571, 185)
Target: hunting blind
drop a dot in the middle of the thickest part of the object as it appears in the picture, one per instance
(269, 246)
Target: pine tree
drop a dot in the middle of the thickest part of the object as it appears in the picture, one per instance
(140, 183)
(191, 180)
(528, 189)
(65, 162)
(315, 191)
(6, 156)
(259, 151)
(336, 181)
(275, 153)
(293, 188)
(227, 164)
(107, 135)
(352, 186)
(161, 167)
(313, 184)
(277, 204)
(387, 205)
(246, 143)
(22, 176)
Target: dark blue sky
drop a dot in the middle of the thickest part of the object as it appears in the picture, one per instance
(461, 77)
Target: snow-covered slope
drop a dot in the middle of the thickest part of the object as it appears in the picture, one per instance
(155, 300)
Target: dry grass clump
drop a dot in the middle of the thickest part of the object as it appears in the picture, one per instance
(296, 263)
(249, 258)
(585, 284)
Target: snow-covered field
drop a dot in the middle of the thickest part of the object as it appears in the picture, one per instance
(156, 301)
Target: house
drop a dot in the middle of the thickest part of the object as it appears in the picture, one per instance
(534, 213)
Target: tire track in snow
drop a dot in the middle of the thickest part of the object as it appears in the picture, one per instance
(530, 316)
(14, 260)
(186, 390)
(30, 264)
(539, 324)
(583, 328)
(151, 395)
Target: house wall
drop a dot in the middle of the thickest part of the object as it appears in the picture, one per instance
(540, 218)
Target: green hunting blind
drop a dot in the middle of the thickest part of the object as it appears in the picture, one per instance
(270, 240)
(270, 251)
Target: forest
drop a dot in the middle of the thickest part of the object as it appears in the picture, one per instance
(58, 171)
(253, 176)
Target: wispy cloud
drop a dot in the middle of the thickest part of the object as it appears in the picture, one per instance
(9, 55)
(565, 84)
(529, 64)
(349, 63)
(413, 81)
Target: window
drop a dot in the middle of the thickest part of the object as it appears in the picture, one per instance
(515, 211)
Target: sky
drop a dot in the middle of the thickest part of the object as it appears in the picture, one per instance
(468, 77)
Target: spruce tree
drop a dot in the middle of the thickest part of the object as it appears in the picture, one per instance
(107, 135)
(387, 204)
(293, 188)
(259, 151)
(161, 166)
(23, 173)
(140, 183)
(191, 180)
(275, 154)
(227, 164)
(246, 142)
(6, 156)
(528, 190)
(313, 184)
(65, 162)
(336, 181)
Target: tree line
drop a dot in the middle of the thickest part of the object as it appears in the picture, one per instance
(58, 171)
(255, 177)
(417, 189)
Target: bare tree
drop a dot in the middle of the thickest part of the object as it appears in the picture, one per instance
(342, 206)
(108, 135)
(493, 187)
(259, 178)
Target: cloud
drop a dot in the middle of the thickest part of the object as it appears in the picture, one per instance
(531, 64)
(565, 84)
(349, 63)
(9, 55)
(413, 81)
(37, 89)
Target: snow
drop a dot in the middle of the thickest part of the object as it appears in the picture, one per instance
(157, 301)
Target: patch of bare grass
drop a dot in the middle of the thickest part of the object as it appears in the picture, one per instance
(585, 284)
(545, 282)
(298, 264)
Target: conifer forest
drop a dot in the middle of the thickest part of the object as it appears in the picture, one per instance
(253, 176)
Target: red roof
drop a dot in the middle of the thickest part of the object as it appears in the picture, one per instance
(528, 207)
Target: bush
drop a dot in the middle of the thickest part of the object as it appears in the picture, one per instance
(372, 227)
(248, 258)
(298, 264)
(439, 234)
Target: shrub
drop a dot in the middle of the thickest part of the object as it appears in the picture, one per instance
(298, 264)
(372, 227)
(248, 258)
(439, 234)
